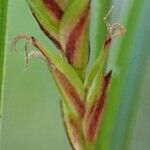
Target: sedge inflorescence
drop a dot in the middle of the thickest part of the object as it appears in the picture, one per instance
(83, 95)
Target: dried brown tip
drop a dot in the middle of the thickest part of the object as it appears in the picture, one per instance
(114, 29)
(107, 42)
(106, 17)
(17, 39)
(28, 55)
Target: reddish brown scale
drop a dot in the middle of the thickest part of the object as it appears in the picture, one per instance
(107, 42)
(74, 37)
(54, 8)
(71, 92)
(96, 115)
(57, 43)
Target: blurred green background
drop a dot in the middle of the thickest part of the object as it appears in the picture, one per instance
(31, 113)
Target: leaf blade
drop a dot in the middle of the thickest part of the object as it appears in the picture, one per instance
(3, 29)
(108, 128)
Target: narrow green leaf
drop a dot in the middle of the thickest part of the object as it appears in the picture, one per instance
(3, 21)
(109, 138)
(134, 73)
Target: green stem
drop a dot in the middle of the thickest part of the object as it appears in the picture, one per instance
(90, 146)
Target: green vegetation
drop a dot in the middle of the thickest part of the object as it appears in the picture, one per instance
(3, 19)
(31, 113)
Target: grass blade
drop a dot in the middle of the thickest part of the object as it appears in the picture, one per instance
(110, 134)
(134, 78)
(3, 19)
